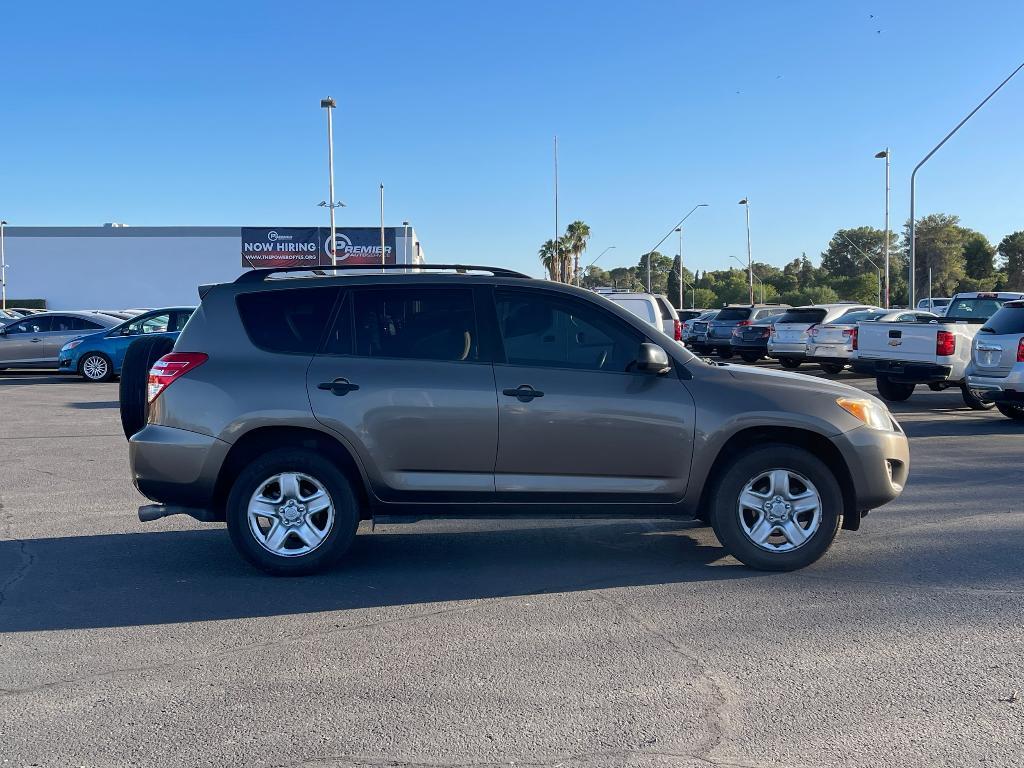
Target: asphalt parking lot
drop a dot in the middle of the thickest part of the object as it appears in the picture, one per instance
(541, 643)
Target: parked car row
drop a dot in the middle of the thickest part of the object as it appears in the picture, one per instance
(89, 343)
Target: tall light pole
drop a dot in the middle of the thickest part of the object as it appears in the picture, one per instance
(558, 257)
(405, 243)
(678, 224)
(745, 202)
(329, 104)
(680, 231)
(3, 264)
(759, 280)
(872, 263)
(913, 179)
(885, 153)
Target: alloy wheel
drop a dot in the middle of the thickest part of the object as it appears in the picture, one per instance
(779, 510)
(290, 514)
(95, 367)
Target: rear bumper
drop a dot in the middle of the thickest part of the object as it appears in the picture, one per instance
(791, 351)
(993, 390)
(904, 372)
(176, 467)
(828, 353)
(879, 464)
(749, 346)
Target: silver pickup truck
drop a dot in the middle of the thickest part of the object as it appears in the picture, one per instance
(902, 355)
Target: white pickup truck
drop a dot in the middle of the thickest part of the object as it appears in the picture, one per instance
(902, 355)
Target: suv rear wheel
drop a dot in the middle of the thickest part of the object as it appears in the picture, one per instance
(777, 508)
(893, 391)
(1011, 411)
(789, 362)
(291, 512)
(975, 403)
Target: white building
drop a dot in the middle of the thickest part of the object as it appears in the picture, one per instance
(116, 266)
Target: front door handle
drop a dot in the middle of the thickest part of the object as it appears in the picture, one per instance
(524, 393)
(340, 386)
(36, 341)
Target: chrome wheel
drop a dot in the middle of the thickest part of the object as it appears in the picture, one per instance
(779, 510)
(95, 367)
(290, 514)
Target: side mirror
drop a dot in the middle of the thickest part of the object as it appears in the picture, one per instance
(652, 359)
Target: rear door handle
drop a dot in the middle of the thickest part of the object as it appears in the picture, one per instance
(524, 393)
(36, 341)
(340, 386)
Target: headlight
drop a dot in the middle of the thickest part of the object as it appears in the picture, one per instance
(71, 345)
(867, 411)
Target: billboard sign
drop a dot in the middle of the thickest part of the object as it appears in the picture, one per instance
(311, 246)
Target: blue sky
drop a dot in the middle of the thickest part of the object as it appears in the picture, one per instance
(189, 114)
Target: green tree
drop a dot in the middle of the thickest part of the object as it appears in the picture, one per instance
(979, 257)
(549, 259)
(595, 277)
(702, 298)
(625, 278)
(1011, 248)
(940, 248)
(577, 234)
(661, 267)
(844, 256)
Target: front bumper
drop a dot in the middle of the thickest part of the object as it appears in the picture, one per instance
(904, 372)
(176, 467)
(879, 464)
(67, 364)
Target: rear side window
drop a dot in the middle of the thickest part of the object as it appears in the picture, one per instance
(973, 309)
(291, 320)
(807, 316)
(32, 325)
(860, 317)
(413, 323)
(730, 314)
(666, 312)
(81, 324)
(1008, 320)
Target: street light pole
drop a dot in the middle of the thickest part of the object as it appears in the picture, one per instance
(329, 104)
(872, 262)
(745, 202)
(602, 253)
(885, 153)
(3, 264)
(678, 224)
(759, 280)
(913, 180)
(680, 231)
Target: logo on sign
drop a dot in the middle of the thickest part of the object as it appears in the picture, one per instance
(273, 236)
(342, 247)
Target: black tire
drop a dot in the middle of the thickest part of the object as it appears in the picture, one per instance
(340, 536)
(138, 359)
(97, 362)
(832, 368)
(750, 357)
(725, 514)
(1011, 411)
(974, 402)
(893, 391)
(789, 362)
(724, 352)
(936, 387)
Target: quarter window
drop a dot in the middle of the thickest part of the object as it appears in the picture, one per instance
(289, 320)
(548, 331)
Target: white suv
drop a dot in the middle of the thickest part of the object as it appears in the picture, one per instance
(790, 335)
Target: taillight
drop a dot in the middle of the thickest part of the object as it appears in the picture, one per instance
(945, 343)
(812, 331)
(853, 337)
(848, 332)
(169, 368)
(1020, 350)
(677, 331)
(766, 332)
(743, 322)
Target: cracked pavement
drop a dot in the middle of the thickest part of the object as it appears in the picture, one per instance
(504, 643)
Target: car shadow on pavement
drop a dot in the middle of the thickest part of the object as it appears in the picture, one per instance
(95, 406)
(135, 579)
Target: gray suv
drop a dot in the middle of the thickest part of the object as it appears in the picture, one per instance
(294, 405)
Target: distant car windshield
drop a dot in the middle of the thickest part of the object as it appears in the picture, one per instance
(638, 307)
(733, 313)
(850, 318)
(973, 309)
(809, 315)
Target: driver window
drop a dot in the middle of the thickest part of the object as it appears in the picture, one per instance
(154, 324)
(544, 330)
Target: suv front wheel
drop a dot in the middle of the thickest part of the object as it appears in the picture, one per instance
(291, 512)
(777, 508)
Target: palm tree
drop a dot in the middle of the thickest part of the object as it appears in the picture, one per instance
(577, 234)
(549, 258)
(565, 251)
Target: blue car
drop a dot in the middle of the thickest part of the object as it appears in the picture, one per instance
(98, 356)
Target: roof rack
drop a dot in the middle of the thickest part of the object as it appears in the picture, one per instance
(258, 275)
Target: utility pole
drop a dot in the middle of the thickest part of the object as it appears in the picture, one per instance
(3, 264)
(329, 104)
(745, 202)
(680, 231)
(382, 224)
(885, 153)
(558, 255)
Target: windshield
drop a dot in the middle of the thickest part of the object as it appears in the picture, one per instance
(806, 315)
(973, 309)
(733, 313)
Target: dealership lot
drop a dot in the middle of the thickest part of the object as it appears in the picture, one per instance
(505, 642)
